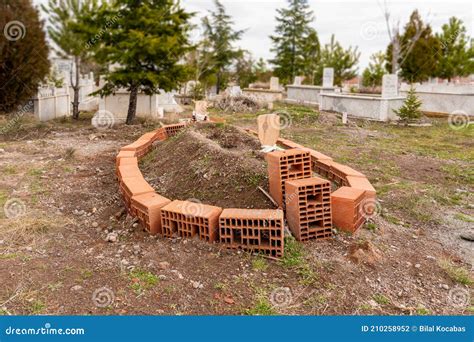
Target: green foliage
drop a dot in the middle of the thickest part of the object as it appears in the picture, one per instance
(456, 56)
(294, 42)
(23, 53)
(245, 69)
(410, 110)
(143, 42)
(217, 52)
(344, 62)
(372, 75)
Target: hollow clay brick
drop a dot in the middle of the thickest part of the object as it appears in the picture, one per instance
(133, 186)
(187, 219)
(147, 208)
(345, 203)
(286, 165)
(124, 154)
(128, 171)
(308, 208)
(172, 130)
(160, 134)
(253, 230)
(362, 183)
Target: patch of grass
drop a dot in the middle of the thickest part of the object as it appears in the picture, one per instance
(149, 158)
(9, 256)
(86, 274)
(220, 286)
(142, 280)
(255, 179)
(458, 274)
(464, 217)
(9, 170)
(259, 264)
(3, 312)
(381, 299)
(35, 172)
(262, 306)
(422, 311)
(69, 154)
(294, 253)
(365, 307)
(371, 226)
(37, 307)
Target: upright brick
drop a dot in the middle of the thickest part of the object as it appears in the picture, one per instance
(253, 230)
(323, 168)
(346, 206)
(133, 186)
(128, 171)
(188, 219)
(122, 155)
(286, 165)
(147, 208)
(308, 208)
(362, 183)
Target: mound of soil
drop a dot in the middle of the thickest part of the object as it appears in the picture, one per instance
(213, 163)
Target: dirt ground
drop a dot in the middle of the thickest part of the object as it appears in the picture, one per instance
(409, 259)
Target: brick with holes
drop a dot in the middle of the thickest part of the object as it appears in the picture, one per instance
(172, 130)
(347, 208)
(253, 230)
(147, 208)
(308, 208)
(286, 165)
(188, 219)
(133, 186)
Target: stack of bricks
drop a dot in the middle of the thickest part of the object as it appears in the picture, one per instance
(347, 204)
(133, 186)
(188, 219)
(308, 208)
(286, 165)
(253, 230)
(172, 130)
(160, 134)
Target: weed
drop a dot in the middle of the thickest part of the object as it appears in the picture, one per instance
(293, 255)
(464, 217)
(37, 307)
(456, 273)
(259, 264)
(381, 299)
(422, 311)
(142, 280)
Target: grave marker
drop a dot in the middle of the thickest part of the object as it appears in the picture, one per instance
(328, 77)
(268, 129)
(389, 86)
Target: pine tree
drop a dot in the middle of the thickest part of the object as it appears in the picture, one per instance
(220, 36)
(372, 75)
(23, 53)
(455, 57)
(410, 110)
(290, 42)
(143, 42)
(311, 55)
(344, 62)
(62, 18)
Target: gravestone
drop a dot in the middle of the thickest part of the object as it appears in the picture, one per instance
(328, 77)
(274, 84)
(200, 111)
(389, 86)
(268, 129)
(167, 101)
(234, 91)
(298, 80)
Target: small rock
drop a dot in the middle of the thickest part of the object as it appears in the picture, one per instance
(112, 237)
(95, 224)
(179, 275)
(2, 150)
(125, 262)
(197, 285)
(76, 288)
(94, 210)
(162, 277)
(444, 286)
(417, 265)
(164, 265)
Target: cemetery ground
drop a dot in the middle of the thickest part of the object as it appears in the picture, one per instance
(408, 259)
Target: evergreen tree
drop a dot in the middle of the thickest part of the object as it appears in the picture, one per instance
(219, 35)
(62, 18)
(410, 110)
(143, 42)
(344, 62)
(23, 53)
(456, 58)
(372, 75)
(294, 41)
(311, 55)
(245, 69)
(419, 51)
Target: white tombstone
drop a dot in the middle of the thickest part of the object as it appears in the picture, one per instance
(298, 80)
(328, 77)
(200, 112)
(275, 84)
(389, 86)
(234, 91)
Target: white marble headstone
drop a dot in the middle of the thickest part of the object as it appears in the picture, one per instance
(274, 83)
(389, 86)
(328, 77)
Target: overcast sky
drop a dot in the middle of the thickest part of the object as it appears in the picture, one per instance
(356, 23)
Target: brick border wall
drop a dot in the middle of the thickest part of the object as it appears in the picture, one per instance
(255, 230)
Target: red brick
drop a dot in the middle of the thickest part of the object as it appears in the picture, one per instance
(187, 219)
(172, 130)
(160, 134)
(346, 208)
(140, 147)
(124, 154)
(289, 144)
(133, 186)
(128, 171)
(286, 165)
(362, 183)
(323, 168)
(127, 161)
(308, 208)
(253, 230)
(147, 207)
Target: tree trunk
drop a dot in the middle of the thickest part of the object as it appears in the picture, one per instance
(76, 87)
(132, 105)
(218, 83)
